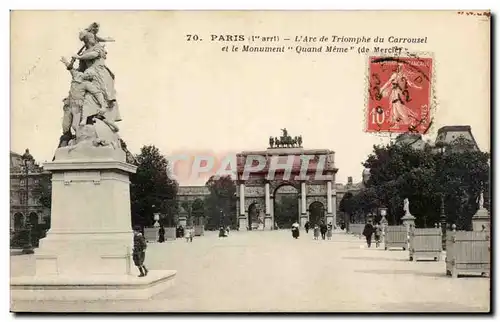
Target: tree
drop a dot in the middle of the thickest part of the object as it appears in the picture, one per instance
(152, 186)
(220, 204)
(397, 171)
(198, 210)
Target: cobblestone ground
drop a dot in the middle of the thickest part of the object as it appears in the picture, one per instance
(271, 271)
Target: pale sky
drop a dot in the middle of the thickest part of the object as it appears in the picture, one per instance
(191, 96)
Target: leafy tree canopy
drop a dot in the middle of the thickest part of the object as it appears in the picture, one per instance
(152, 190)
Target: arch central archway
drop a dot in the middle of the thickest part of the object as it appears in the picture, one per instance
(311, 171)
(316, 213)
(255, 219)
(285, 206)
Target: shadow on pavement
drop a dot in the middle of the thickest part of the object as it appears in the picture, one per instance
(377, 259)
(401, 272)
(449, 307)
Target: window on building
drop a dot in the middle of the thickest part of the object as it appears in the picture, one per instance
(22, 182)
(22, 197)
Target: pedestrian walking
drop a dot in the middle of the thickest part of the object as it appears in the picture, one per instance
(378, 234)
(323, 228)
(295, 230)
(367, 232)
(161, 234)
(188, 233)
(316, 232)
(222, 232)
(307, 226)
(139, 251)
(329, 232)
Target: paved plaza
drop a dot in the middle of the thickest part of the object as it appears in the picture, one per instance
(269, 271)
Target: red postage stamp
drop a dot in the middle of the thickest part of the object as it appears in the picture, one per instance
(399, 94)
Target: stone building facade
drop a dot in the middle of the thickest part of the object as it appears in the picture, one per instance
(24, 204)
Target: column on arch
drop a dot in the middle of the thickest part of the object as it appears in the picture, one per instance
(242, 220)
(303, 204)
(268, 219)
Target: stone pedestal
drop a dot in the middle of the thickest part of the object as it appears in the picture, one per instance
(303, 219)
(243, 223)
(481, 220)
(183, 221)
(87, 251)
(268, 223)
(408, 220)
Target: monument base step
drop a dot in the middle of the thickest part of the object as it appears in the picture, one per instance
(91, 287)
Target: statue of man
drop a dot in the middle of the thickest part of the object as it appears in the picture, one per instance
(80, 86)
(271, 141)
(406, 206)
(481, 201)
(285, 132)
(277, 142)
(299, 140)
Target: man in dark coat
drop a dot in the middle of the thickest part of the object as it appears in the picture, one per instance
(323, 228)
(307, 226)
(139, 251)
(161, 234)
(367, 232)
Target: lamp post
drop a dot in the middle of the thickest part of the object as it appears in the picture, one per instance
(222, 219)
(442, 215)
(27, 159)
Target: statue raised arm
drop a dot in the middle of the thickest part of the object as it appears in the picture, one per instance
(285, 132)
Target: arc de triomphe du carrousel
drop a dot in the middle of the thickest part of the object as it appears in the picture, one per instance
(260, 174)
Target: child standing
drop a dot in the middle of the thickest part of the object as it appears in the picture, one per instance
(329, 231)
(378, 234)
(316, 232)
(189, 234)
(139, 251)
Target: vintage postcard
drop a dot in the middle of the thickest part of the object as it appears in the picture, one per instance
(250, 161)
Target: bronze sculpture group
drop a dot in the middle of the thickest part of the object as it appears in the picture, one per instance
(285, 141)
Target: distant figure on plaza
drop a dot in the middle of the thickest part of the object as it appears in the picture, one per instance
(329, 231)
(342, 225)
(180, 232)
(161, 234)
(295, 230)
(139, 251)
(227, 231)
(222, 232)
(378, 234)
(316, 232)
(189, 234)
(323, 229)
(367, 232)
(307, 226)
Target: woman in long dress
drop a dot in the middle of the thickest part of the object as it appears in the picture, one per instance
(395, 88)
(295, 230)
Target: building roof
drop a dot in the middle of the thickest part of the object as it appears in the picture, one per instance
(457, 128)
(442, 137)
